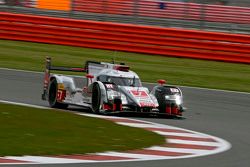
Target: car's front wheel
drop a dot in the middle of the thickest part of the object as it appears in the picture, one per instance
(96, 98)
(53, 96)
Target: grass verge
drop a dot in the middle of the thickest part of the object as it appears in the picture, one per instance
(31, 131)
(180, 71)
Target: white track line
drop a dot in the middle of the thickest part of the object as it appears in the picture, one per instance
(219, 145)
(23, 104)
(138, 125)
(199, 88)
(17, 70)
(132, 155)
(43, 159)
(180, 134)
(179, 150)
(200, 143)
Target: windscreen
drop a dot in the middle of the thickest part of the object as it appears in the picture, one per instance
(122, 81)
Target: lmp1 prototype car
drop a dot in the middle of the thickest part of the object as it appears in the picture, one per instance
(110, 88)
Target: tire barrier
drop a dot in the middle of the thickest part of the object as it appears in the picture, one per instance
(126, 37)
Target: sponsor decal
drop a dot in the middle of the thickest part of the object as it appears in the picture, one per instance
(110, 86)
(61, 94)
(60, 86)
(142, 98)
(139, 93)
(174, 90)
(147, 104)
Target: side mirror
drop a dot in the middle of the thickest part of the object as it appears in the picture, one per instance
(161, 81)
(89, 76)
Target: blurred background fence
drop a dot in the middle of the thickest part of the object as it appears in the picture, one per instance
(213, 15)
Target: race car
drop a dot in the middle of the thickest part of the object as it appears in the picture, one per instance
(109, 88)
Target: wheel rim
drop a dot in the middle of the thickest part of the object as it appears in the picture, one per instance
(96, 98)
(52, 93)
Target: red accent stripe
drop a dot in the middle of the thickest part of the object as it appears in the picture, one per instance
(167, 130)
(78, 69)
(160, 153)
(125, 120)
(190, 138)
(93, 157)
(3, 160)
(190, 146)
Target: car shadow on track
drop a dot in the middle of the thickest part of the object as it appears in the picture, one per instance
(129, 115)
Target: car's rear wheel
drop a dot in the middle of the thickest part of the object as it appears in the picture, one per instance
(53, 96)
(160, 96)
(96, 98)
(162, 103)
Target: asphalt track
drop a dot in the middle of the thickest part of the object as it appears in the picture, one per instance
(219, 113)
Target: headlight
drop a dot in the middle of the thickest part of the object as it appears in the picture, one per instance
(176, 98)
(112, 94)
(124, 99)
(167, 97)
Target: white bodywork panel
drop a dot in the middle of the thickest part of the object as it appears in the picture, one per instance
(74, 95)
(141, 96)
(83, 96)
(109, 69)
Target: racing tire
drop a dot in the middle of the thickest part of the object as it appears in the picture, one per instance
(53, 94)
(160, 96)
(96, 98)
(162, 103)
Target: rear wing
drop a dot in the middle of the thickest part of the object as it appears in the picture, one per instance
(92, 68)
(60, 68)
(49, 67)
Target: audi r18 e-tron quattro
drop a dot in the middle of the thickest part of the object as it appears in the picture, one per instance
(110, 88)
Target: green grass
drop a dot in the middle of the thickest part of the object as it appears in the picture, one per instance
(31, 131)
(180, 71)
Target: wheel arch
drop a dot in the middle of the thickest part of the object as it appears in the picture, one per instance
(66, 81)
(104, 97)
(52, 95)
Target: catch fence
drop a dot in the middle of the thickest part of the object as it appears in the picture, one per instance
(204, 16)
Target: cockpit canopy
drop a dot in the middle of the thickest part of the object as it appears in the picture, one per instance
(121, 81)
